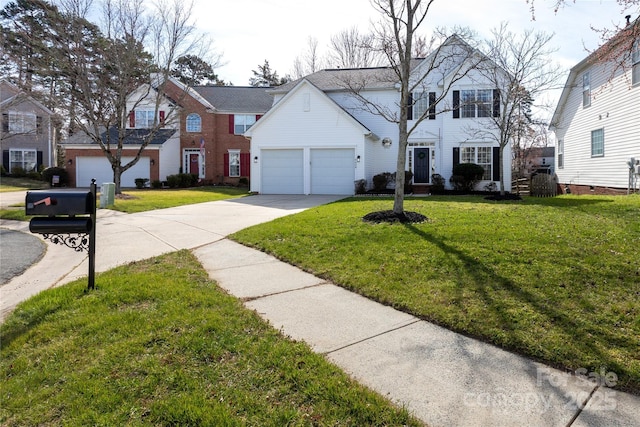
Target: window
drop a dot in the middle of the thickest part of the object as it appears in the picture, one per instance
(242, 123)
(480, 156)
(194, 123)
(560, 154)
(234, 163)
(476, 103)
(144, 119)
(15, 122)
(586, 90)
(635, 63)
(597, 143)
(25, 159)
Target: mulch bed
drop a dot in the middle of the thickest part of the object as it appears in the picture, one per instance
(405, 217)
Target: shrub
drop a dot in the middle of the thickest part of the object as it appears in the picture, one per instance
(173, 181)
(3, 171)
(437, 183)
(140, 182)
(381, 181)
(49, 173)
(34, 175)
(408, 185)
(18, 172)
(361, 186)
(244, 182)
(156, 184)
(465, 176)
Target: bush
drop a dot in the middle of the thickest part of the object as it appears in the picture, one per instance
(140, 182)
(182, 180)
(381, 181)
(49, 173)
(3, 171)
(361, 186)
(408, 186)
(437, 183)
(466, 176)
(18, 172)
(34, 175)
(243, 182)
(156, 184)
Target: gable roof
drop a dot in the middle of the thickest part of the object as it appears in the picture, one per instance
(302, 83)
(236, 99)
(16, 97)
(591, 59)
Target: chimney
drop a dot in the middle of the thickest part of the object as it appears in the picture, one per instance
(628, 18)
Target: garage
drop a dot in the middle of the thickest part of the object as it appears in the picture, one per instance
(282, 171)
(332, 171)
(99, 168)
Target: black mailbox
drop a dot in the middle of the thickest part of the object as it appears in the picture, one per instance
(45, 225)
(51, 203)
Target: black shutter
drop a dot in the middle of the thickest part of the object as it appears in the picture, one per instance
(496, 103)
(5, 123)
(456, 156)
(410, 107)
(456, 104)
(496, 163)
(432, 105)
(5, 160)
(38, 160)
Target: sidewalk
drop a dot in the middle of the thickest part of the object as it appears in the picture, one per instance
(444, 378)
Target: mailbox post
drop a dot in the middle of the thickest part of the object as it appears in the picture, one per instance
(66, 217)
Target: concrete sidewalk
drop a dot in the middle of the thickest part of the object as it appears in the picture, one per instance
(444, 378)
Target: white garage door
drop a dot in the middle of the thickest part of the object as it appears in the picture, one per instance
(98, 168)
(332, 171)
(282, 172)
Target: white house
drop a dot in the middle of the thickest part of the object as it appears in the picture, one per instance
(597, 124)
(319, 138)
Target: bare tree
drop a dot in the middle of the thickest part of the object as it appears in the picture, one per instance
(617, 42)
(352, 49)
(522, 68)
(309, 61)
(394, 38)
(106, 78)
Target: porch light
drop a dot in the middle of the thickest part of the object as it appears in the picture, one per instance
(70, 162)
(255, 159)
(153, 162)
(358, 159)
(386, 142)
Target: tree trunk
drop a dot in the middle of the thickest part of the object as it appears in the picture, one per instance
(398, 201)
(501, 165)
(117, 178)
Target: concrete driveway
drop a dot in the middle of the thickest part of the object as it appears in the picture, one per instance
(123, 238)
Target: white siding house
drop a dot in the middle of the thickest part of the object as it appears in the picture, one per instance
(597, 125)
(319, 137)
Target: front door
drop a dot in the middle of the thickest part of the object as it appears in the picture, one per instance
(194, 163)
(420, 165)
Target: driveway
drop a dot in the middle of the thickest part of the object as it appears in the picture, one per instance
(18, 251)
(123, 238)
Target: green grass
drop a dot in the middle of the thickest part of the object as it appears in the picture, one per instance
(554, 279)
(145, 200)
(158, 343)
(16, 184)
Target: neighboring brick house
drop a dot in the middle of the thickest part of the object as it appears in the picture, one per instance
(26, 134)
(210, 121)
(213, 121)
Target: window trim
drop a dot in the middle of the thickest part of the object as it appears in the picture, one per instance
(17, 122)
(193, 123)
(234, 154)
(149, 114)
(22, 161)
(560, 148)
(599, 153)
(244, 124)
(475, 149)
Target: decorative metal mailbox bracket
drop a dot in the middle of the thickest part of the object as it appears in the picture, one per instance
(66, 221)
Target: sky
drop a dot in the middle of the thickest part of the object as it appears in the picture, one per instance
(246, 32)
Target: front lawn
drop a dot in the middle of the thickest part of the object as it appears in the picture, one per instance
(8, 183)
(159, 344)
(555, 279)
(132, 201)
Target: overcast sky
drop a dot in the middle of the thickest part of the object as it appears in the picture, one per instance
(246, 32)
